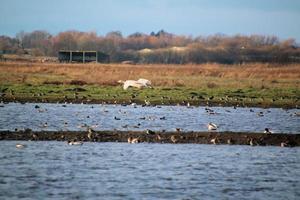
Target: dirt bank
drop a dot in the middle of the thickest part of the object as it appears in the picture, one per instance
(233, 138)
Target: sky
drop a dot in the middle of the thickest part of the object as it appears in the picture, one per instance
(183, 17)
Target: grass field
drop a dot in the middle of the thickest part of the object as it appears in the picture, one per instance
(250, 84)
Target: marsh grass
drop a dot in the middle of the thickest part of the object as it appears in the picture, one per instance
(252, 83)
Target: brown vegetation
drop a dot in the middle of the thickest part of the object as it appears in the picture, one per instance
(204, 75)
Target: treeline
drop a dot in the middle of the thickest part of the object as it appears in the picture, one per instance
(160, 47)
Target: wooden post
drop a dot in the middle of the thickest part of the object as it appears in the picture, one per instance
(96, 56)
(84, 57)
(70, 56)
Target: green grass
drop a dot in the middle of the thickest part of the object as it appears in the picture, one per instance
(262, 97)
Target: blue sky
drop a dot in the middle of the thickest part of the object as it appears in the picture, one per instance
(188, 17)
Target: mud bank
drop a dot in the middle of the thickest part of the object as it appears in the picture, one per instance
(153, 103)
(230, 138)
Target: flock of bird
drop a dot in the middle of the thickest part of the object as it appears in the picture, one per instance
(174, 139)
(144, 83)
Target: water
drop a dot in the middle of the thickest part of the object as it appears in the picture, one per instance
(55, 170)
(102, 117)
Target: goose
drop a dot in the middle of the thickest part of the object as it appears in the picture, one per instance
(211, 126)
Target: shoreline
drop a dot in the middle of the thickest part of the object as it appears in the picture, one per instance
(140, 102)
(229, 138)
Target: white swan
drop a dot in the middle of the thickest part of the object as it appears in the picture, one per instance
(141, 83)
(146, 82)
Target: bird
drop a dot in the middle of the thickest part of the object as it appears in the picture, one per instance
(150, 132)
(268, 131)
(90, 133)
(75, 143)
(178, 129)
(251, 143)
(45, 125)
(20, 146)
(211, 126)
(134, 105)
(147, 102)
(133, 140)
(229, 141)
(116, 118)
(174, 139)
(159, 138)
(284, 144)
(260, 114)
(214, 140)
(145, 82)
(141, 83)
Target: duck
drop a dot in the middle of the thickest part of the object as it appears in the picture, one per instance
(214, 140)
(178, 129)
(251, 143)
(75, 143)
(268, 131)
(90, 133)
(174, 139)
(150, 132)
(285, 144)
(260, 114)
(148, 103)
(159, 137)
(116, 118)
(133, 140)
(20, 146)
(212, 127)
(229, 141)
(162, 118)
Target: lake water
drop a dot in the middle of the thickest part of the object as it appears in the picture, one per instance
(55, 170)
(109, 117)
